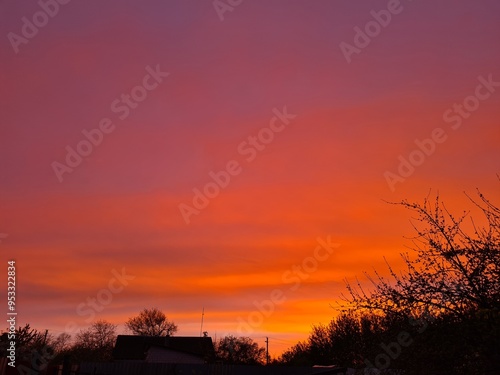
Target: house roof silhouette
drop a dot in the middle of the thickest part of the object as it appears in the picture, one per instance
(131, 347)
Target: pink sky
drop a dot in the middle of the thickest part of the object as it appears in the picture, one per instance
(322, 175)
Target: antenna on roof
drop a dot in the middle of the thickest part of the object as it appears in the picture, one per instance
(201, 328)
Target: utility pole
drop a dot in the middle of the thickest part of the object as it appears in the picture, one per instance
(201, 328)
(267, 350)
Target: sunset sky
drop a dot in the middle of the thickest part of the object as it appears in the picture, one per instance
(316, 140)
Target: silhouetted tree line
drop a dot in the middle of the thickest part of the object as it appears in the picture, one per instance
(441, 315)
(424, 345)
(37, 350)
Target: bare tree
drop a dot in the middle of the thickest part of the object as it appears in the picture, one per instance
(30, 340)
(297, 355)
(446, 302)
(95, 343)
(151, 322)
(454, 272)
(239, 350)
(30, 337)
(62, 342)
